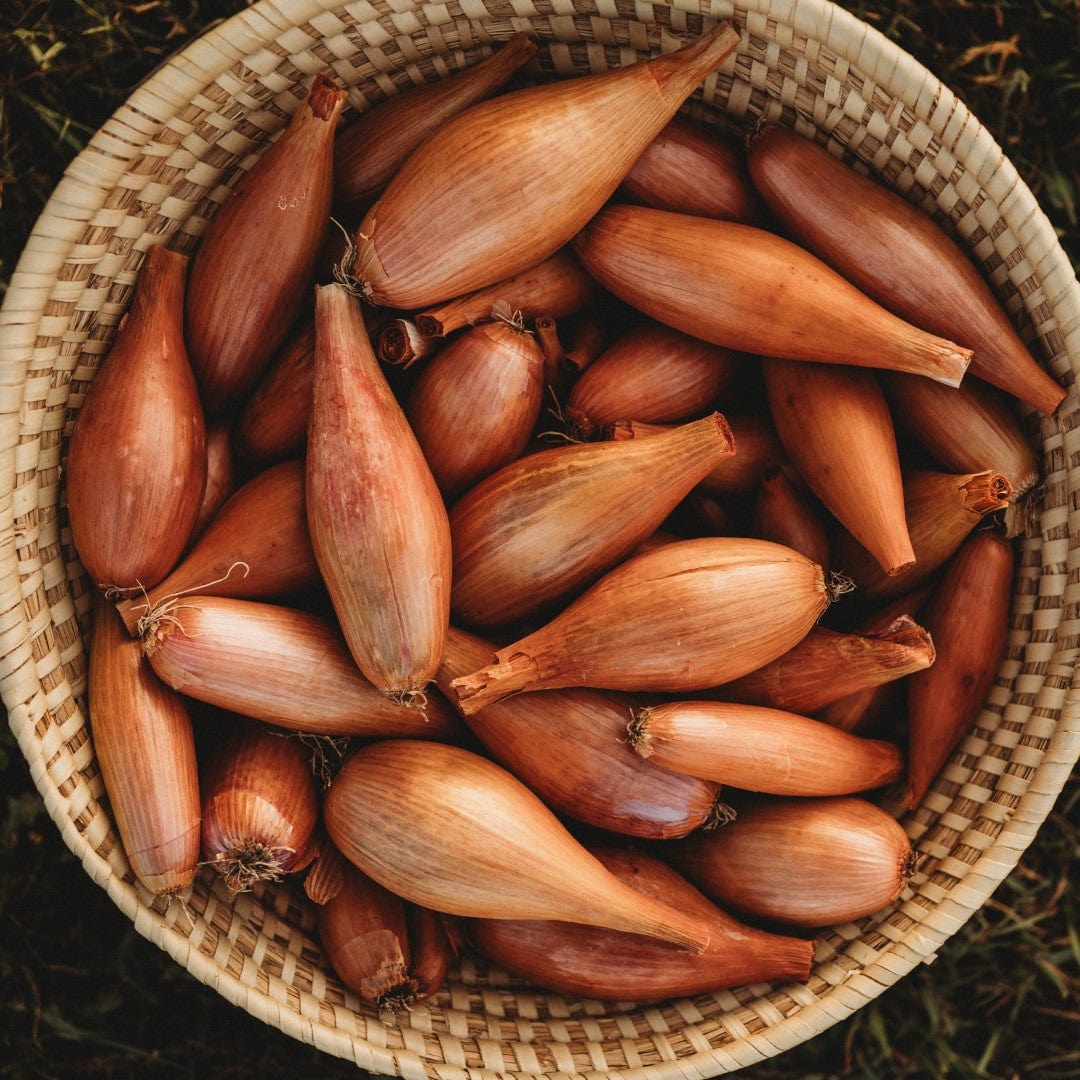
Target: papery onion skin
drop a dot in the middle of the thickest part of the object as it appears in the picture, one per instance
(475, 404)
(135, 467)
(942, 509)
(256, 548)
(836, 427)
(452, 831)
(967, 429)
(800, 862)
(370, 150)
(613, 966)
(758, 448)
(694, 170)
(570, 747)
(556, 287)
(366, 936)
(783, 514)
(828, 665)
(272, 424)
(650, 373)
(222, 475)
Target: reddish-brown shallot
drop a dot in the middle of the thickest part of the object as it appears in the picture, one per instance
(364, 931)
(612, 965)
(897, 253)
(782, 513)
(757, 448)
(132, 501)
(800, 862)
(693, 169)
(570, 747)
(286, 667)
(761, 749)
(260, 805)
(452, 831)
(754, 291)
(391, 952)
(967, 429)
(968, 614)
(272, 425)
(256, 548)
(941, 508)
(837, 430)
(539, 530)
(684, 616)
(828, 665)
(556, 287)
(242, 297)
(377, 520)
(145, 747)
(474, 406)
(510, 180)
(222, 475)
(859, 711)
(650, 373)
(370, 150)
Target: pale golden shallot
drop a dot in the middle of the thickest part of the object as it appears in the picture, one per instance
(942, 509)
(539, 530)
(510, 180)
(570, 747)
(452, 831)
(650, 373)
(829, 664)
(475, 405)
(281, 665)
(694, 169)
(895, 252)
(836, 427)
(762, 749)
(371, 148)
(255, 548)
(683, 616)
(260, 805)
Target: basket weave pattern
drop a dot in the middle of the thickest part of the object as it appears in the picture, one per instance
(155, 173)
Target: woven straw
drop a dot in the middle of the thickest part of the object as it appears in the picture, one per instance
(154, 174)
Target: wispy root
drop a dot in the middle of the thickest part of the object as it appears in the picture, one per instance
(149, 623)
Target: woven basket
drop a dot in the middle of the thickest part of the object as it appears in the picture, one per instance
(154, 174)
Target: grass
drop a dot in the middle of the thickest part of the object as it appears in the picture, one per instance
(82, 994)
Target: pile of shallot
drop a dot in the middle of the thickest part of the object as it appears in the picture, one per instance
(568, 558)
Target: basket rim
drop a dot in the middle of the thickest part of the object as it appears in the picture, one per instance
(212, 54)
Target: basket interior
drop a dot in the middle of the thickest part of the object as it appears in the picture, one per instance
(155, 173)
